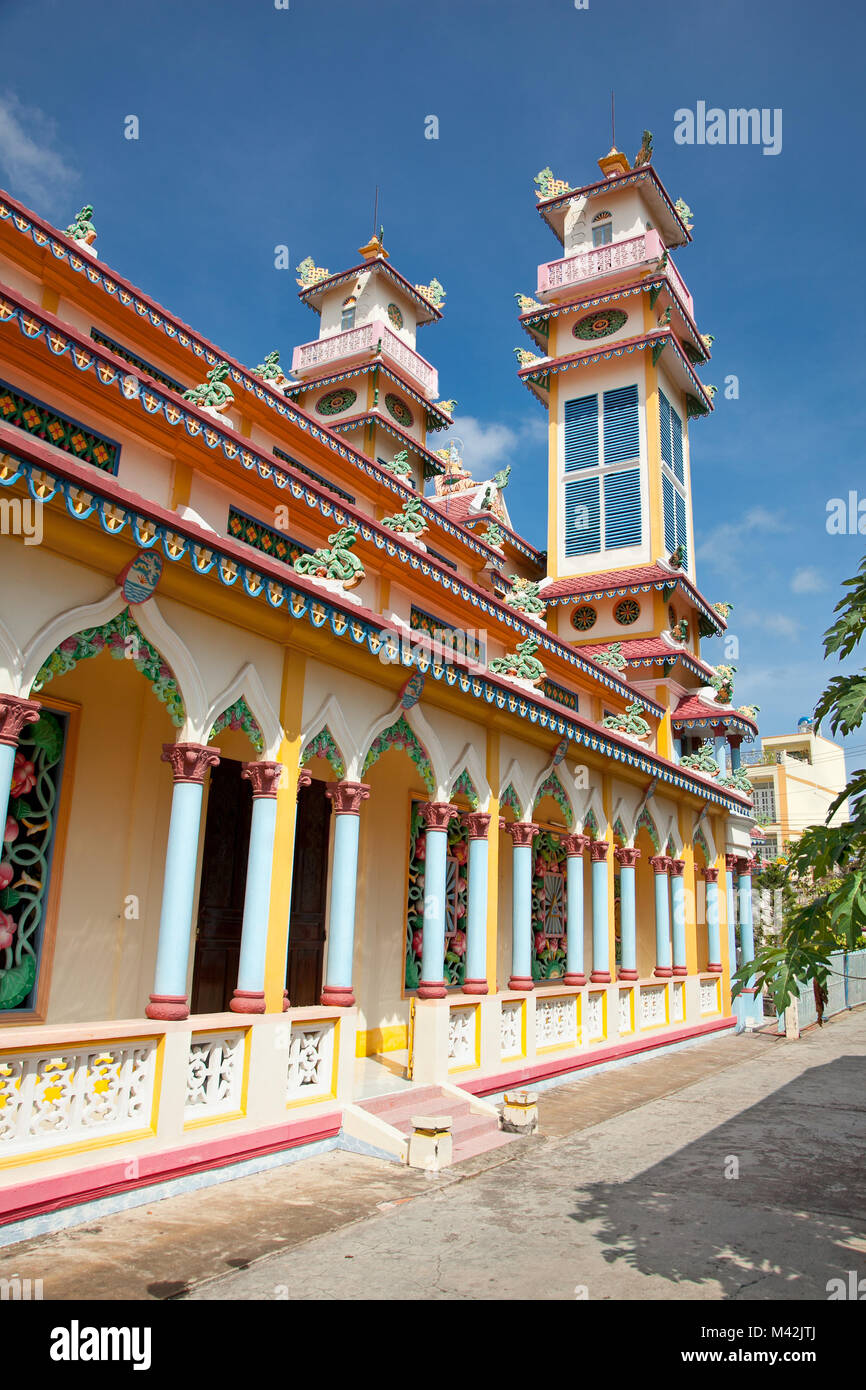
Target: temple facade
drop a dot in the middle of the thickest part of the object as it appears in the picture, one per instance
(319, 773)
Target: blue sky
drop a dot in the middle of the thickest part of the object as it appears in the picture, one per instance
(262, 126)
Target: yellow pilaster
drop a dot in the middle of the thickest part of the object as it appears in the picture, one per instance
(665, 733)
(719, 862)
(246, 427)
(291, 713)
(685, 821)
(607, 806)
(654, 471)
(492, 773)
(553, 486)
(50, 300)
(181, 485)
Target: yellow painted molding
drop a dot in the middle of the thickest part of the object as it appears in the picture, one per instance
(291, 714)
(492, 771)
(685, 822)
(50, 300)
(181, 485)
(391, 1038)
(654, 468)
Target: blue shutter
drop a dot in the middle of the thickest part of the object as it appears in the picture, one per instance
(682, 533)
(670, 520)
(677, 431)
(582, 519)
(581, 433)
(622, 516)
(621, 430)
(665, 429)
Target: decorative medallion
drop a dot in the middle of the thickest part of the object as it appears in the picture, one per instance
(335, 402)
(399, 411)
(583, 617)
(412, 689)
(627, 612)
(141, 576)
(600, 324)
(395, 318)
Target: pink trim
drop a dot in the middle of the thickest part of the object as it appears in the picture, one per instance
(247, 1001)
(676, 868)
(337, 996)
(711, 875)
(575, 845)
(660, 863)
(432, 989)
(521, 982)
(573, 979)
(170, 1007)
(189, 761)
(475, 987)
(437, 815)
(627, 857)
(503, 1081)
(715, 969)
(663, 972)
(628, 975)
(477, 824)
(54, 1192)
(598, 852)
(522, 832)
(600, 977)
(681, 971)
(347, 797)
(264, 777)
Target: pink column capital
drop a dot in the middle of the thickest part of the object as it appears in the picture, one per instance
(347, 797)
(575, 845)
(731, 863)
(660, 863)
(676, 867)
(304, 780)
(627, 856)
(477, 823)
(15, 712)
(263, 777)
(711, 875)
(745, 867)
(522, 832)
(598, 850)
(189, 761)
(437, 815)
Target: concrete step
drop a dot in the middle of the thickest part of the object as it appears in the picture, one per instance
(481, 1143)
(402, 1100)
(472, 1133)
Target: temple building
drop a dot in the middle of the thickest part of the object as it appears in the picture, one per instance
(331, 797)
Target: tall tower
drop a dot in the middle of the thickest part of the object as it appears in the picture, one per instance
(616, 348)
(363, 375)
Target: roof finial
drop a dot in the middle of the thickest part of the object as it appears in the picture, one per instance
(374, 247)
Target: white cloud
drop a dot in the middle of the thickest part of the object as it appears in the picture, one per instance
(808, 580)
(488, 446)
(734, 537)
(32, 169)
(780, 623)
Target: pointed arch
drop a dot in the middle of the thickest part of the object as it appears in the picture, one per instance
(11, 662)
(550, 785)
(646, 822)
(703, 838)
(329, 719)
(469, 765)
(410, 729)
(522, 793)
(509, 798)
(324, 745)
(464, 786)
(246, 704)
(402, 736)
(591, 824)
(620, 830)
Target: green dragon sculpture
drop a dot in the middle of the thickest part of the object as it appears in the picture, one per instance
(338, 562)
(433, 293)
(410, 520)
(631, 722)
(680, 630)
(494, 535)
(645, 153)
(723, 609)
(523, 596)
(82, 229)
(723, 684)
(750, 711)
(399, 464)
(523, 663)
(547, 186)
(684, 213)
(310, 274)
(702, 761)
(448, 406)
(270, 369)
(738, 780)
(525, 358)
(500, 479)
(613, 658)
(525, 303)
(213, 391)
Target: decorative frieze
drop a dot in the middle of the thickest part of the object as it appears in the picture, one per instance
(214, 1075)
(462, 1037)
(652, 1006)
(556, 1022)
(511, 1029)
(595, 1016)
(311, 1061)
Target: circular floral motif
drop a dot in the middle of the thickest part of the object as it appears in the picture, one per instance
(627, 612)
(600, 324)
(583, 618)
(336, 401)
(399, 410)
(394, 315)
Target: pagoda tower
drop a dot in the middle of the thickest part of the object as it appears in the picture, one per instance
(615, 359)
(363, 376)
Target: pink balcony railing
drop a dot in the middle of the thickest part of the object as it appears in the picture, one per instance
(679, 285)
(361, 342)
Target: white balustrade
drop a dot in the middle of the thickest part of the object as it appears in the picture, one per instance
(595, 1016)
(311, 1060)
(511, 1029)
(652, 1006)
(556, 1022)
(462, 1037)
(679, 285)
(617, 255)
(70, 1093)
(679, 1002)
(364, 339)
(215, 1073)
(709, 997)
(626, 1024)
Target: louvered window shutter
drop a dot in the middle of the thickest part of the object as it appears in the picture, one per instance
(670, 520)
(622, 518)
(682, 533)
(582, 518)
(665, 428)
(581, 433)
(621, 428)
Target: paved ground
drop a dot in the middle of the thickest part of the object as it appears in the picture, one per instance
(625, 1194)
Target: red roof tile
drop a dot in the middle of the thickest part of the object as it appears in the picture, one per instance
(693, 707)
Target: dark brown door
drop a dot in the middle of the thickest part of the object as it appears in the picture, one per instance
(221, 897)
(309, 890)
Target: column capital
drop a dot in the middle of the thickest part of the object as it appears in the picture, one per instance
(598, 850)
(745, 867)
(304, 780)
(711, 875)
(522, 832)
(660, 863)
(347, 797)
(574, 845)
(676, 867)
(477, 823)
(264, 778)
(189, 761)
(731, 863)
(15, 712)
(627, 856)
(437, 815)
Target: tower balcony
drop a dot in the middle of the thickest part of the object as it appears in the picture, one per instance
(605, 265)
(357, 345)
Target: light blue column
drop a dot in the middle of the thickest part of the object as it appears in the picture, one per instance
(347, 798)
(735, 753)
(600, 974)
(719, 744)
(714, 940)
(522, 834)
(436, 815)
(627, 857)
(249, 996)
(15, 712)
(575, 846)
(753, 1003)
(732, 914)
(678, 750)
(189, 763)
(663, 968)
(475, 981)
(678, 917)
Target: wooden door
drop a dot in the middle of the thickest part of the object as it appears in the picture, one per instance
(221, 896)
(309, 893)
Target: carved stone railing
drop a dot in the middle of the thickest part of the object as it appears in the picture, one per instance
(361, 341)
(602, 260)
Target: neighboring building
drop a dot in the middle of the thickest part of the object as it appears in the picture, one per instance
(306, 764)
(795, 780)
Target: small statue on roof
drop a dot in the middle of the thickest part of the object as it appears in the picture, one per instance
(523, 663)
(645, 153)
(680, 630)
(525, 303)
(710, 390)
(750, 711)
(410, 520)
(723, 683)
(494, 535)
(708, 339)
(82, 229)
(270, 369)
(723, 609)
(337, 562)
(631, 722)
(310, 274)
(738, 780)
(684, 213)
(613, 658)
(547, 186)
(433, 292)
(678, 558)
(500, 479)
(448, 406)
(665, 318)
(399, 464)
(212, 393)
(523, 596)
(525, 358)
(702, 761)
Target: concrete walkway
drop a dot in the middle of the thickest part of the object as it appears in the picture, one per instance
(727, 1169)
